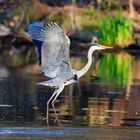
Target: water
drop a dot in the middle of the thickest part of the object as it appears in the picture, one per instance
(106, 97)
(68, 133)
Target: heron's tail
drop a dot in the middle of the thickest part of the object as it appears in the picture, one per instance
(55, 82)
(44, 83)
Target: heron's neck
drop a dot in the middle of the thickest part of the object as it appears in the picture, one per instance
(87, 66)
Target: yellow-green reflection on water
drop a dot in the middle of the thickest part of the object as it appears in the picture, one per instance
(115, 69)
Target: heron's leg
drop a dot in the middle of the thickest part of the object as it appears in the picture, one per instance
(47, 111)
(61, 87)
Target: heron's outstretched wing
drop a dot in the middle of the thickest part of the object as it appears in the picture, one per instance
(53, 48)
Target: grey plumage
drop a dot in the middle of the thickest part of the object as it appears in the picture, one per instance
(55, 53)
(55, 62)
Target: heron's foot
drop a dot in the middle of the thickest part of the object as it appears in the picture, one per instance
(47, 121)
(57, 121)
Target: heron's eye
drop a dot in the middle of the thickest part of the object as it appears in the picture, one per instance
(97, 45)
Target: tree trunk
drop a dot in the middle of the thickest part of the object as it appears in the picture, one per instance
(131, 8)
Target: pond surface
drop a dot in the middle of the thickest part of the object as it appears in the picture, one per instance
(68, 133)
(106, 97)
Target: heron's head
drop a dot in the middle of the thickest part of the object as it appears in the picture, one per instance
(97, 46)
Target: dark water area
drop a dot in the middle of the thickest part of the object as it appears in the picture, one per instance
(105, 99)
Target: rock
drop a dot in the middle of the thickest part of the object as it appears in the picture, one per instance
(4, 31)
(3, 72)
(82, 37)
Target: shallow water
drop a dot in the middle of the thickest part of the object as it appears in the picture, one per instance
(107, 96)
(67, 133)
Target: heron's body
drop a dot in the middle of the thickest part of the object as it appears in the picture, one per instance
(53, 49)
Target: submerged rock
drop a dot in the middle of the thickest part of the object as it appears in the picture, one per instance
(4, 31)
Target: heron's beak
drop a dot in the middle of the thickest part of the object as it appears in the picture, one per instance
(105, 47)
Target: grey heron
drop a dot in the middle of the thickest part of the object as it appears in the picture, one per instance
(53, 49)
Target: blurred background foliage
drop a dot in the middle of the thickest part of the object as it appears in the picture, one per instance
(107, 19)
(112, 28)
(109, 22)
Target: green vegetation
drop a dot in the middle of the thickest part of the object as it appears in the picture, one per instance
(90, 28)
(112, 29)
(115, 30)
(57, 17)
(25, 11)
(89, 11)
(61, 19)
(115, 69)
(89, 19)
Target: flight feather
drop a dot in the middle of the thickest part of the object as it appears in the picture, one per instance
(53, 48)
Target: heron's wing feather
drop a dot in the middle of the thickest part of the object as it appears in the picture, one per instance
(53, 48)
